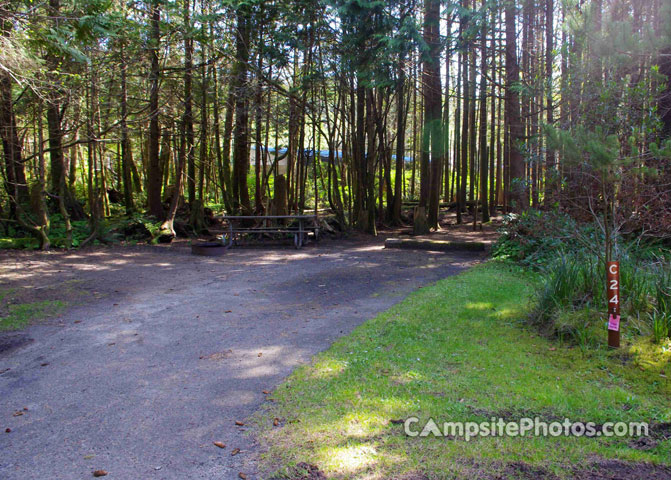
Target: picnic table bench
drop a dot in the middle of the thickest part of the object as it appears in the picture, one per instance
(297, 225)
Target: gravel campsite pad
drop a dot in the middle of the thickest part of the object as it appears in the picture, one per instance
(160, 356)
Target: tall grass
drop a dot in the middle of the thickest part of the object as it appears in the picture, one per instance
(571, 298)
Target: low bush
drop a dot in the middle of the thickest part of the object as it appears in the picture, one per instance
(570, 301)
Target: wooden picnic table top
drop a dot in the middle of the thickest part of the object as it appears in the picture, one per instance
(266, 217)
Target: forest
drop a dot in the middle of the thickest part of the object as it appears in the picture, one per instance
(153, 325)
(113, 108)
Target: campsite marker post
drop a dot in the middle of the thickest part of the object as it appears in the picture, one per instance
(613, 296)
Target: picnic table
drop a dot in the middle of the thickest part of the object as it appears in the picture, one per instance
(297, 225)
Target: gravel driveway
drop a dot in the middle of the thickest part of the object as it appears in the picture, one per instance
(165, 351)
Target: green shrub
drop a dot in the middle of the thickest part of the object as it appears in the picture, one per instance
(570, 301)
(533, 237)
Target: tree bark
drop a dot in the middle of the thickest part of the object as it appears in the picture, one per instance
(126, 150)
(517, 185)
(188, 103)
(15, 177)
(241, 132)
(432, 106)
(484, 153)
(155, 206)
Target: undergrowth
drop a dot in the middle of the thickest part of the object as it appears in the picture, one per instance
(570, 300)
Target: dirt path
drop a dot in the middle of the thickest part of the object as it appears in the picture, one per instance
(166, 351)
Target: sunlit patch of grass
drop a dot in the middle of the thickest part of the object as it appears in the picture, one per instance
(328, 367)
(455, 351)
(652, 357)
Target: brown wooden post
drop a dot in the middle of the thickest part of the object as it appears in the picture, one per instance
(613, 296)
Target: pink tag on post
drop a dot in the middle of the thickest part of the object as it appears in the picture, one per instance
(614, 323)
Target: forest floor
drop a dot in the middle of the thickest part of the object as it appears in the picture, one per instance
(451, 231)
(148, 355)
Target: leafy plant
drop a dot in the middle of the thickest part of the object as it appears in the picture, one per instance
(661, 322)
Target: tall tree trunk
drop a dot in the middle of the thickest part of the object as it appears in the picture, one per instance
(359, 149)
(456, 184)
(226, 150)
(464, 125)
(400, 141)
(204, 155)
(517, 185)
(258, 100)
(15, 177)
(550, 171)
(188, 103)
(241, 132)
(432, 106)
(154, 176)
(126, 151)
(484, 153)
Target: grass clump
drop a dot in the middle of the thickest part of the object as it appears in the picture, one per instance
(20, 315)
(455, 351)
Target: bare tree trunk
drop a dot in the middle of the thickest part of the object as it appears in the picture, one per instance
(241, 132)
(484, 151)
(15, 177)
(517, 186)
(550, 170)
(433, 107)
(126, 150)
(400, 142)
(466, 94)
(154, 176)
(204, 156)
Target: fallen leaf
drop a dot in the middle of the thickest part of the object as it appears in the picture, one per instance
(235, 451)
(239, 423)
(266, 392)
(18, 414)
(242, 475)
(396, 422)
(228, 311)
(260, 354)
(99, 473)
(220, 444)
(110, 344)
(552, 349)
(217, 355)
(8, 430)
(276, 422)
(44, 364)
(77, 321)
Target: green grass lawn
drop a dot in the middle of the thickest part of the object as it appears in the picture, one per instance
(458, 351)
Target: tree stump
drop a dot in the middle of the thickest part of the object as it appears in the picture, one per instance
(420, 225)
